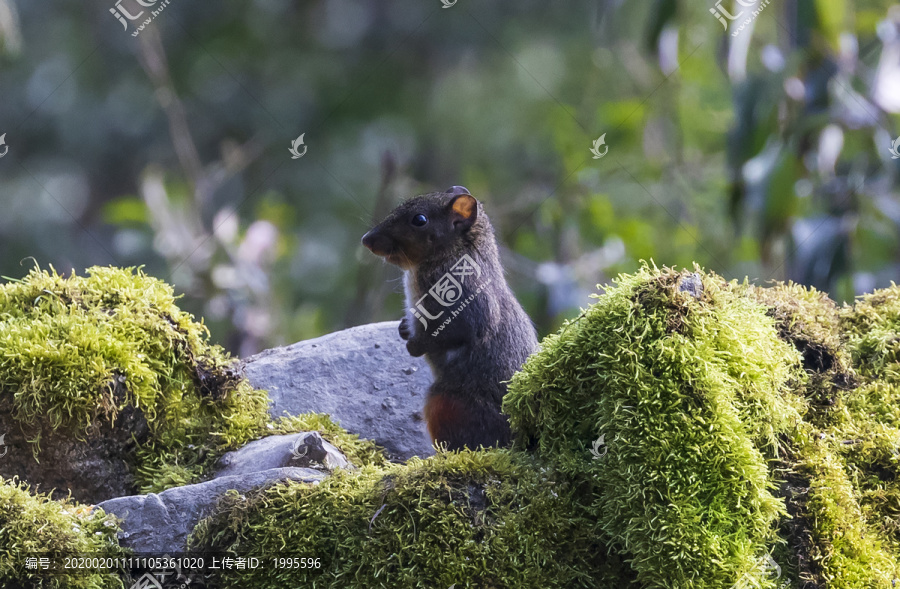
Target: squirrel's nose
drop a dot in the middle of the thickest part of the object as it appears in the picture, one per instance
(368, 240)
(376, 243)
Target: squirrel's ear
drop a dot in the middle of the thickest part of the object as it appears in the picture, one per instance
(464, 209)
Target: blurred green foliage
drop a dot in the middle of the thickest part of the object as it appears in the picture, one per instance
(764, 153)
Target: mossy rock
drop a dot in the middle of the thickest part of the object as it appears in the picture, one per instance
(485, 519)
(844, 466)
(34, 524)
(726, 417)
(108, 361)
(690, 389)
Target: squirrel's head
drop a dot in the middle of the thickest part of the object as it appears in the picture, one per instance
(424, 227)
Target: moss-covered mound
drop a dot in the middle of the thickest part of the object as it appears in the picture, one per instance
(31, 525)
(849, 462)
(689, 389)
(866, 438)
(733, 429)
(469, 519)
(77, 352)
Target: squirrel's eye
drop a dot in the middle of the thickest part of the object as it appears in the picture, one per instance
(419, 220)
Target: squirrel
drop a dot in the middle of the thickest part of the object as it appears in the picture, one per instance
(461, 314)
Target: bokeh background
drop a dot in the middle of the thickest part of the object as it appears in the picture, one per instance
(761, 152)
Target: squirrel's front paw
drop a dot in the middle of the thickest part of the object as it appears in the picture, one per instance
(405, 329)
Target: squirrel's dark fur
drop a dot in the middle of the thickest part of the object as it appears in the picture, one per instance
(489, 337)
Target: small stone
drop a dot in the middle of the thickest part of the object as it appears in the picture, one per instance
(691, 284)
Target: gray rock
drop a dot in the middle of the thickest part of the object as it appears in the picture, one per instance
(304, 449)
(363, 377)
(691, 284)
(161, 523)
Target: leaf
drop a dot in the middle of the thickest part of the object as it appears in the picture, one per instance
(124, 211)
(831, 16)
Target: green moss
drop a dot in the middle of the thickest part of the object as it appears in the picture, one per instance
(810, 321)
(35, 524)
(473, 519)
(847, 453)
(691, 397)
(849, 552)
(358, 451)
(872, 329)
(75, 352)
(869, 436)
